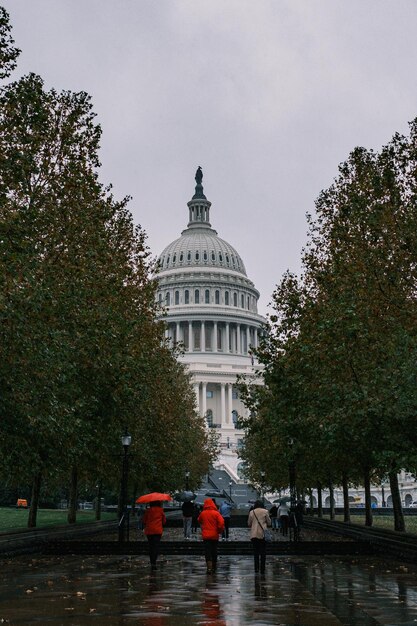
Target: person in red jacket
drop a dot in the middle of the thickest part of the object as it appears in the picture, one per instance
(153, 521)
(212, 524)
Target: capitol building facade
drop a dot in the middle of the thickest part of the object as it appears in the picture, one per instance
(211, 307)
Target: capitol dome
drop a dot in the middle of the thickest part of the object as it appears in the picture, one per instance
(201, 248)
(210, 310)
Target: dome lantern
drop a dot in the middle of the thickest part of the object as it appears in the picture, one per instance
(199, 206)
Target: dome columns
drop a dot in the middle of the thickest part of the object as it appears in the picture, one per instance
(214, 336)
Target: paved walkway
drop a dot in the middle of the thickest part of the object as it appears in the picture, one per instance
(124, 592)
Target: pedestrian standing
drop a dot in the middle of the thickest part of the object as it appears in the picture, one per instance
(187, 516)
(273, 514)
(284, 512)
(212, 524)
(258, 521)
(194, 522)
(225, 511)
(153, 522)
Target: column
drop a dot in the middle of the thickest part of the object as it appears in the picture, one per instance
(190, 337)
(197, 395)
(203, 337)
(226, 347)
(214, 336)
(223, 403)
(178, 332)
(229, 402)
(247, 338)
(204, 399)
(255, 337)
(238, 339)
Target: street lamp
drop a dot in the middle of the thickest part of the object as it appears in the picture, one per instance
(187, 477)
(230, 489)
(262, 486)
(126, 441)
(292, 474)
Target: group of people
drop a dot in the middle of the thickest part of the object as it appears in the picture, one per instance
(283, 518)
(214, 522)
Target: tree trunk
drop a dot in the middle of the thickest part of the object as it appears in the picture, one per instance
(368, 507)
(34, 503)
(98, 502)
(319, 501)
(310, 495)
(135, 490)
(72, 507)
(331, 495)
(399, 522)
(346, 510)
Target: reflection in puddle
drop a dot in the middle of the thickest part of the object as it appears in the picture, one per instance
(114, 591)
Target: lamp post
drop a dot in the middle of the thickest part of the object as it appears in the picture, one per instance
(230, 489)
(262, 486)
(126, 441)
(187, 479)
(292, 473)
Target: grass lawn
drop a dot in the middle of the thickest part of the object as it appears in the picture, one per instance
(13, 519)
(382, 521)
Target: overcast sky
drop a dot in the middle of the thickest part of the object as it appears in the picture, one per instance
(268, 96)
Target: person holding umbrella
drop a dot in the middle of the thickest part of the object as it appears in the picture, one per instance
(153, 522)
(212, 524)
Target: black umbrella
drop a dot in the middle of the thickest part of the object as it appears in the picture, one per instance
(214, 494)
(185, 496)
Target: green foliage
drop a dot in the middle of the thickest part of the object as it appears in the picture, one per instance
(340, 349)
(8, 52)
(82, 354)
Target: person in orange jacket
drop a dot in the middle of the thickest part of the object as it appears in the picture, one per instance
(212, 525)
(153, 522)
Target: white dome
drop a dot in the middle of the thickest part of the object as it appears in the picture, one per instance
(200, 247)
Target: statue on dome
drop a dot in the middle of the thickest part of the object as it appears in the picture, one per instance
(199, 175)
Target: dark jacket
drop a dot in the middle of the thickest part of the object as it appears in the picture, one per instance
(187, 509)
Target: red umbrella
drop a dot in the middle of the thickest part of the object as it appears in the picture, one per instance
(153, 497)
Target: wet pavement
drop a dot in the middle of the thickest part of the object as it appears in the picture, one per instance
(307, 591)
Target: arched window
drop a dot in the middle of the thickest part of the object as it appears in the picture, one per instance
(197, 255)
(181, 257)
(209, 418)
(217, 297)
(167, 298)
(227, 259)
(235, 299)
(235, 418)
(207, 296)
(188, 256)
(174, 258)
(213, 256)
(248, 302)
(168, 257)
(205, 257)
(196, 297)
(160, 298)
(177, 297)
(220, 257)
(226, 298)
(242, 301)
(186, 297)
